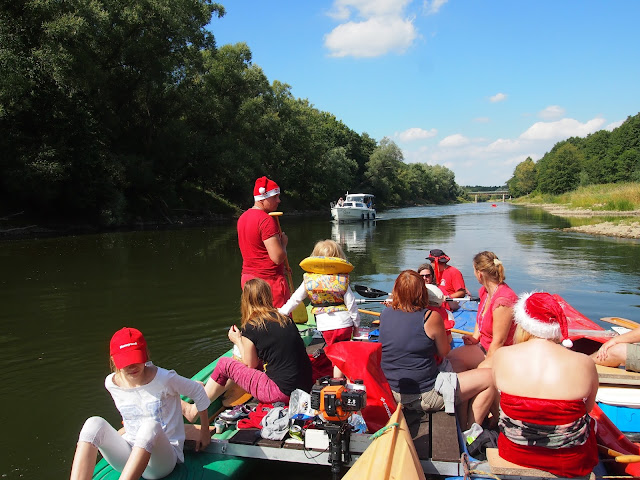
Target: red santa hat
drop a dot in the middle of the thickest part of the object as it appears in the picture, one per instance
(541, 315)
(265, 188)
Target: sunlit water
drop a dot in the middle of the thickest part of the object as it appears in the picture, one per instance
(62, 298)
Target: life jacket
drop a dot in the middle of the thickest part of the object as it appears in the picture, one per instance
(326, 292)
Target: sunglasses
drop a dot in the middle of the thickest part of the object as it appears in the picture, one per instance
(426, 275)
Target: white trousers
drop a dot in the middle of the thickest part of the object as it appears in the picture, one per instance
(116, 450)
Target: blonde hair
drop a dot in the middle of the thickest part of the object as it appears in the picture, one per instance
(490, 265)
(328, 248)
(521, 336)
(256, 305)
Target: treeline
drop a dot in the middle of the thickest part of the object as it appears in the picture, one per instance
(601, 157)
(116, 111)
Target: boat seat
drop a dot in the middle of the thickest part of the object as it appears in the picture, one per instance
(500, 466)
(435, 435)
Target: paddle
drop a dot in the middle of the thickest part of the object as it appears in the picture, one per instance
(621, 322)
(619, 457)
(369, 292)
(299, 314)
(369, 312)
(368, 300)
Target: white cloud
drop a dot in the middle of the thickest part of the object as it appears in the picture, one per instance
(613, 125)
(561, 129)
(482, 120)
(479, 161)
(551, 112)
(415, 133)
(378, 27)
(374, 37)
(455, 140)
(342, 9)
(498, 97)
(432, 7)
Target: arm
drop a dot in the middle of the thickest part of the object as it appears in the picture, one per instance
(205, 436)
(248, 351)
(352, 306)
(298, 296)
(632, 336)
(459, 293)
(276, 248)
(595, 383)
(434, 328)
(502, 321)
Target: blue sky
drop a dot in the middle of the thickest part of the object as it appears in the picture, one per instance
(474, 85)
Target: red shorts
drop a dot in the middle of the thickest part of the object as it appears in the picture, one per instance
(337, 335)
(279, 288)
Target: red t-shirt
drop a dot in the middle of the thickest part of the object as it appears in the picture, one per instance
(254, 227)
(451, 281)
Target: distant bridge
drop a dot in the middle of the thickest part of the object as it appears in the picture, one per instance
(504, 193)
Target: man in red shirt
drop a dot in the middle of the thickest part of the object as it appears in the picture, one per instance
(263, 246)
(448, 278)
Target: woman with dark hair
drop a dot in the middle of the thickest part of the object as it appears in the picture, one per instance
(411, 336)
(494, 321)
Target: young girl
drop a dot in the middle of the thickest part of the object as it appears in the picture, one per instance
(148, 398)
(265, 337)
(332, 300)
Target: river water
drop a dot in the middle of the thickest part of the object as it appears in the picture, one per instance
(62, 298)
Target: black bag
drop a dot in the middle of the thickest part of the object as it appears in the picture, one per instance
(487, 439)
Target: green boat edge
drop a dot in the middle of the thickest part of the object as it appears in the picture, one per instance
(205, 465)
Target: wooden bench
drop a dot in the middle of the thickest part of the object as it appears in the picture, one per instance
(435, 436)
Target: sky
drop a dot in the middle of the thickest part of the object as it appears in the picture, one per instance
(476, 86)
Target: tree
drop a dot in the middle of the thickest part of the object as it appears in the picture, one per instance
(558, 171)
(524, 178)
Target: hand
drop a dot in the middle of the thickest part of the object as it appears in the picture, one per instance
(356, 332)
(470, 340)
(234, 334)
(387, 301)
(284, 239)
(603, 351)
(205, 438)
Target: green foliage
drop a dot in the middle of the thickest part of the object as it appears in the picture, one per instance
(113, 111)
(524, 178)
(602, 157)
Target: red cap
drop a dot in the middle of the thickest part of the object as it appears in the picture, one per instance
(127, 347)
(541, 315)
(265, 188)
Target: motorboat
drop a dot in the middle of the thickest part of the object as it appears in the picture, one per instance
(356, 207)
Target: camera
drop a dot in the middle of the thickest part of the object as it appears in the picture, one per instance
(336, 400)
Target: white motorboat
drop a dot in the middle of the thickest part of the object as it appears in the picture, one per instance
(356, 207)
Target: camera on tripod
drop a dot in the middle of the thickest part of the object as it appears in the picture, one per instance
(336, 400)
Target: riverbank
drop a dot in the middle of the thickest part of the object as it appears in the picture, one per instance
(626, 225)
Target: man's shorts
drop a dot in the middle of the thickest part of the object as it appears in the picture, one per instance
(633, 358)
(430, 401)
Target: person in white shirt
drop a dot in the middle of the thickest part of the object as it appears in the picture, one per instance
(148, 398)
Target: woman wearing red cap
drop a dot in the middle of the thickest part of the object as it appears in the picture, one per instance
(148, 398)
(262, 244)
(546, 392)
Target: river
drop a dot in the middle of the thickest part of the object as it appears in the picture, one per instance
(62, 299)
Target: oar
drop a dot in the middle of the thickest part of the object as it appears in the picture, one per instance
(621, 322)
(299, 314)
(369, 312)
(619, 457)
(369, 292)
(368, 300)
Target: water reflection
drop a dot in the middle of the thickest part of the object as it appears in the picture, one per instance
(353, 237)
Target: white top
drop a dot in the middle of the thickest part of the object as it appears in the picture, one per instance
(327, 321)
(160, 400)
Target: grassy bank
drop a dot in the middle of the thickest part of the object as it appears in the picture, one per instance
(622, 197)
